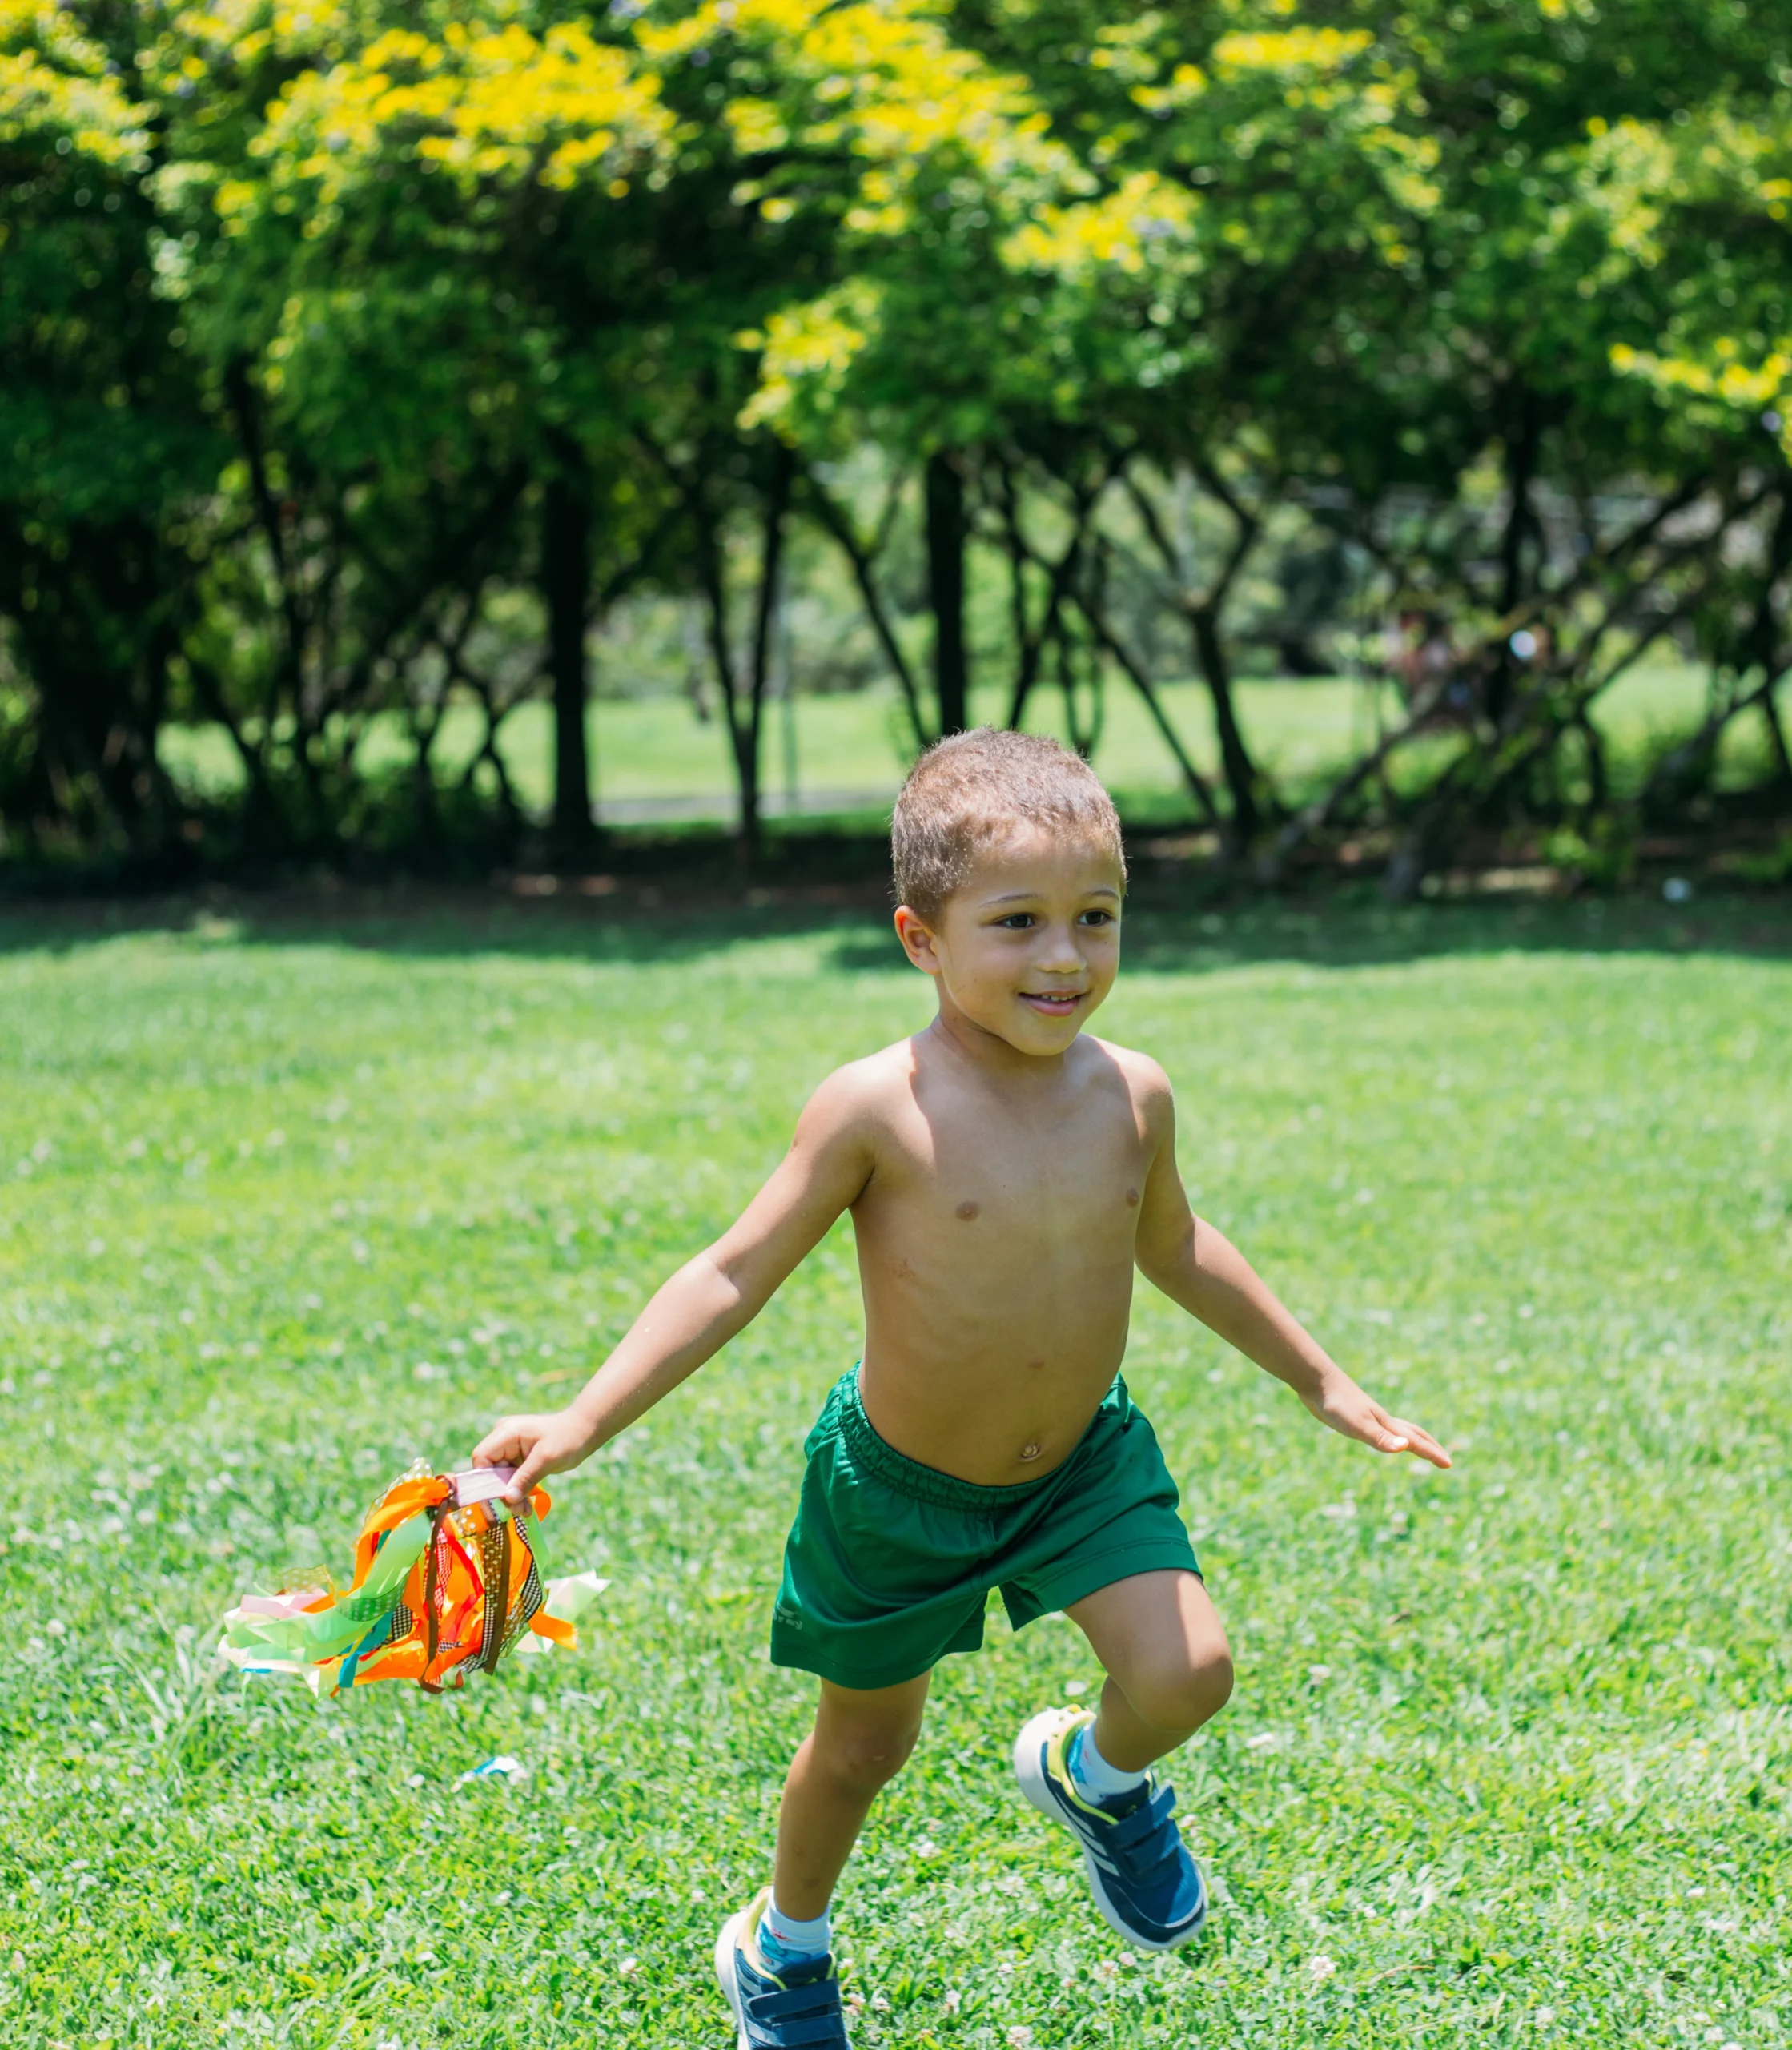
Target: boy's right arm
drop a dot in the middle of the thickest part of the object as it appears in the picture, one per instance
(711, 1297)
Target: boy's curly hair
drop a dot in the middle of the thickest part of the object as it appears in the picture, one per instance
(969, 788)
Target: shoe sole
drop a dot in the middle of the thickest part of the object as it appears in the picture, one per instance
(728, 1948)
(1028, 1747)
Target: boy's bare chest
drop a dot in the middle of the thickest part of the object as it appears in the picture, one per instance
(990, 1189)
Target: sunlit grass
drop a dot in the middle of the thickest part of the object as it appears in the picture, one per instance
(1510, 1757)
(851, 750)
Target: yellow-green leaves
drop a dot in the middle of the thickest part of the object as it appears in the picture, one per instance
(883, 81)
(478, 103)
(1725, 376)
(1291, 51)
(807, 350)
(1645, 181)
(54, 81)
(1186, 82)
(1116, 231)
(1629, 172)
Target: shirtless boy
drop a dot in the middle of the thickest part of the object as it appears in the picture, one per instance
(1006, 1173)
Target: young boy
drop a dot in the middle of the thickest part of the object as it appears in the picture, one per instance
(1006, 1173)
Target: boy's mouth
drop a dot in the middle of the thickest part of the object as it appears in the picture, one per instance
(1053, 1003)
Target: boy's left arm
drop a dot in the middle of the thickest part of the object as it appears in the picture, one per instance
(1199, 1268)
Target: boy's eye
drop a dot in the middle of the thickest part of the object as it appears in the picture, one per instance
(1017, 921)
(1097, 918)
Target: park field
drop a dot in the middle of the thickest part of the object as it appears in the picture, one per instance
(288, 1201)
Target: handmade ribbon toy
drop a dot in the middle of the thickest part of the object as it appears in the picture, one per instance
(445, 1584)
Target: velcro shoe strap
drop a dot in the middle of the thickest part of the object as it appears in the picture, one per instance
(1147, 1831)
(804, 2017)
(1144, 1822)
(806, 2033)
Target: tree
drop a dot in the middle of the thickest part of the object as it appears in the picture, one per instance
(104, 441)
(357, 359)
(414, 259)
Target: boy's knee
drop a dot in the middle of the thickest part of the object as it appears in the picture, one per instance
(867, 1759)
(1183, 1697)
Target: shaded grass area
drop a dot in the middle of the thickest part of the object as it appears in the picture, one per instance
(653, 909)
(290, 1192)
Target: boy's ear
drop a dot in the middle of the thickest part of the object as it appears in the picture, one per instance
(917, 937)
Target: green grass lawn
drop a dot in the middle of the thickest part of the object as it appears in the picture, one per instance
(856, 746)
(286, 1205)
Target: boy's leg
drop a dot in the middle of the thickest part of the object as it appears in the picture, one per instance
(778, 1977)
(861, 1738)
(1169, 1667)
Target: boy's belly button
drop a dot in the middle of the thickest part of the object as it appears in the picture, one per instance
(1030, 1451)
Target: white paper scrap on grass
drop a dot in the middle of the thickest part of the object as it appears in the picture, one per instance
(503, 1766)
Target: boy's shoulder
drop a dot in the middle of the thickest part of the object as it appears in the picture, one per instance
(1149, 1099)
(1143, 1076)
(863, 1089)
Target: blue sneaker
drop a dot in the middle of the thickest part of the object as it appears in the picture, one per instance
(1148, 1887)
(796, 2009)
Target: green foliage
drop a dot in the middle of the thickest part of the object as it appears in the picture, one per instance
(284, 1206)
(103, 441)
(1606, 857)
(326, 332)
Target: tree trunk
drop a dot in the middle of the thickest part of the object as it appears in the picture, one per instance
(838, 523)
(744, 739)
(946, 535)
(1598, 778)
(1234, 757)
(566, 591)
(1523, 445)
(1195, 782)
(748, 730)
(1776, 740)
(1763, 632)
(160, 797)
(744, 695)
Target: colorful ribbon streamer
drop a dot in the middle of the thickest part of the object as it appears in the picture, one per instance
(445, 1583)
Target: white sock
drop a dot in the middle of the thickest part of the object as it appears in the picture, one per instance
(795, 1939)
(1090, 1774)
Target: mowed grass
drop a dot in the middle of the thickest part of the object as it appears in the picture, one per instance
(1510, 1759)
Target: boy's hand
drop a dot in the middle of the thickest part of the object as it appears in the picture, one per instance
(536, 1445)
(1343, 1406)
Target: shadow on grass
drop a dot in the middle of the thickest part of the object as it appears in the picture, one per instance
(1174, 921)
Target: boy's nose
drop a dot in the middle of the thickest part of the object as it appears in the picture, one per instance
(1060, 953)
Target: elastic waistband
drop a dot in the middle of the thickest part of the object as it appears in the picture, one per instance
(927, 1484)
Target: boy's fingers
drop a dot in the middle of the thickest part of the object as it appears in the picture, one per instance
(1423, 1444)
(1386, 1434)
(498, 1446)
(527, 1472)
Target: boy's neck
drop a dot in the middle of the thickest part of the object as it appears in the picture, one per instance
(989, 1051)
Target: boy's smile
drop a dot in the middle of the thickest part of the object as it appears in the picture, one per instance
(1026, 948)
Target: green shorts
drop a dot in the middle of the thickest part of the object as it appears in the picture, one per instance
(890, 1563)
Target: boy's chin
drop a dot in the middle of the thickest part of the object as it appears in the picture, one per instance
(1039, 1032)
(1027, 1031)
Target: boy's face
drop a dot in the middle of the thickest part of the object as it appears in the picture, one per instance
(1028, 948)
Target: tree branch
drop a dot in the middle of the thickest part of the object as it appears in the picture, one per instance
(837, 523)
